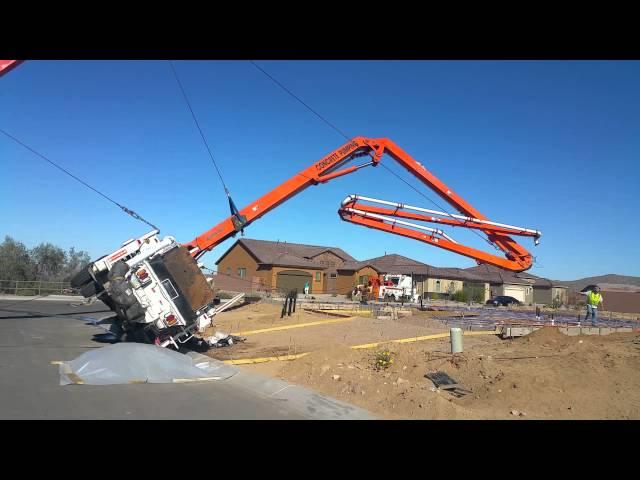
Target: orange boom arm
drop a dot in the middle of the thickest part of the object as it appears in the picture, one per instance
(7, 65)
(327, 168)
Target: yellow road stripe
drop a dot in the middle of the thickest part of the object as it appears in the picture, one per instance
(345, 312)
(402, 340)
(245, 361)
(297, 325)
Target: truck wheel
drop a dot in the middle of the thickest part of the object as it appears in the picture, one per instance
(134, 311)
(81, 278)
(89, 290)
(108, 301)
(140, 334)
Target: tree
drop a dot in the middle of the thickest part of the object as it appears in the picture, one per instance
(49, 261)
(15, 261)
(76, 261)
(45, 262)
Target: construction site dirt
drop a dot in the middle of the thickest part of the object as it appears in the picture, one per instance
(544, 375)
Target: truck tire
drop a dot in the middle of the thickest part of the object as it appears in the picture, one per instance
(139, 334)
(89, 290)
(134, 311)
(81, 278)
(108, 301)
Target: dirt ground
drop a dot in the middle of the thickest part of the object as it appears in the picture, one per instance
(544, 375)
(351, 331)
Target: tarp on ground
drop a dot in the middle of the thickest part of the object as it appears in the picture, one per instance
(125, 363)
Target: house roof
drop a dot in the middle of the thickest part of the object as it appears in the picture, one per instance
(455, 274)
(286, 260)
(540, 281)
(286, 254)
(392, 263)
(492, 274)
(543, 282)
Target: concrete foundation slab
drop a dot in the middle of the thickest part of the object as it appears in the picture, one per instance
(509, 332)
(589, 331)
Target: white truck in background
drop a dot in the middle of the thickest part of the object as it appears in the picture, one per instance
(396, 287)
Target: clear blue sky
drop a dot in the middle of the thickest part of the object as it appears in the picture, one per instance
(550, 145)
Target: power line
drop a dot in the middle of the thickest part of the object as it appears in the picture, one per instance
(347, 137)
(434, 202)
(106, 197)
(300, 100)
(204, 140)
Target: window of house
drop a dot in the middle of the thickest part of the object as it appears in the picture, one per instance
(363, 279)
(229, 271)
(437, 285)
(318, 276)
(333, 275)
(242, 272)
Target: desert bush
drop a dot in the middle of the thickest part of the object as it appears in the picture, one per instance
(383, 359)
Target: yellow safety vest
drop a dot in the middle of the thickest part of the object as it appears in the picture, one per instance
(594, 298)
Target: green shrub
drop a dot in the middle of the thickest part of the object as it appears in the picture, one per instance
(460, 296)
(383, 359)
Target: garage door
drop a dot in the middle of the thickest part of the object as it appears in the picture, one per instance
(288, 280)
(515, 292)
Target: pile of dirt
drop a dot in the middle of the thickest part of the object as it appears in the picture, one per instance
(547, 336)
(399, 391)
(545, 375)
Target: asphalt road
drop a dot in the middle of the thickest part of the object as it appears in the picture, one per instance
(35, 333)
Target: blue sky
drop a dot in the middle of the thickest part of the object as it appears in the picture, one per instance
(550, 145)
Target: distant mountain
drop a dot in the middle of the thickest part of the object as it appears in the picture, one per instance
(579, 284)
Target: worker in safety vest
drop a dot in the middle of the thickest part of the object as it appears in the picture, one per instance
(594, 298)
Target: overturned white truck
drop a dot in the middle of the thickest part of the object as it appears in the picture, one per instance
(157, 291)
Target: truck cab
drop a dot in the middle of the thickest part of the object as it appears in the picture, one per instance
(397, 287)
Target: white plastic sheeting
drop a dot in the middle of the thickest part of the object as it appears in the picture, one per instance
(124, 363)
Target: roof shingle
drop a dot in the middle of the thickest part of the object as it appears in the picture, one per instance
(492, 274)
(286, 254)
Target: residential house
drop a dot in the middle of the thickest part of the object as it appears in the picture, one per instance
(429, 281)
(355, 273)
(284, 266)
(505, 282)
(548, 292)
